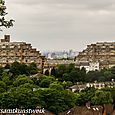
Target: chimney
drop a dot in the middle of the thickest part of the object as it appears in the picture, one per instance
(88, 105)
(108, 109)
(7, 38)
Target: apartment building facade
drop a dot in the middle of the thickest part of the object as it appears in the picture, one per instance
(101, 52)
(21, 52)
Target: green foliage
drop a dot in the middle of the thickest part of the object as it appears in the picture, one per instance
(2, 87)
(53, 72)
(112, 91)
(6, 79)
(1, 70)
(19, 97)
(103, 75)
(61, 70)
(81, 98)
(33, 68)
(96, 97)
(85, 96)
(7, 100)
(113, 70)
(56, 86)
(19, 69)
(17, 90)
(67, 84)
(70, 67)
(73, 74)
(45, 81)
(70, 73)
(22, 79)
(108, 75)
(7, 66)
(57, 100)
(15, 68)
(93, 76)
(101, 97)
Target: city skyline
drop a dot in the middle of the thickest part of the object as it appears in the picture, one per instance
(61, 25)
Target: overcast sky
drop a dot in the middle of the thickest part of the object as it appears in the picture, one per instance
(61, 24)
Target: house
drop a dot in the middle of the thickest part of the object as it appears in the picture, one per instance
(89, 66)
(91, 110)
(77, 87)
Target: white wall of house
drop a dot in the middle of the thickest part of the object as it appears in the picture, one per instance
(111, 65)
(92, 66)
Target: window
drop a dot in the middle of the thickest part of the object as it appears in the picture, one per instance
(3, 54)
(3, 46)
(11, 46)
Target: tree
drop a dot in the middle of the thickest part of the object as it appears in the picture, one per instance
(1, 70)
(33, 68)
(108, 75)
(53, 72)
(7, 100)
(84, 96)
(20, 97)
(45, 81)
(7, 66)
(6, 79)
(67, 84)
(66, 77)
(56, 86)
(70, 73)
(93, 76)
(2, 87)
(82, 74)
(81, 98)
(113, 70)
(60, 71)
(15, 68)
(24, 69)
(3, 22)
(19, 69)
(74, 75)
(70, 67)
(112, 91)
(22, 79)
(101, 97)
(55, 100)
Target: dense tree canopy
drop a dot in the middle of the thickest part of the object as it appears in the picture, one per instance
(74, 74)
(16, 69)
(101, 97)
(19, 90)
(70, 73)
(45, 81)
(56, 99)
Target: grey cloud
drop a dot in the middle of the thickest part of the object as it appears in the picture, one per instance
(62, 24)
(89, 3)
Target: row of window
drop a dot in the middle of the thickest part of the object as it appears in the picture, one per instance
(11, 61)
